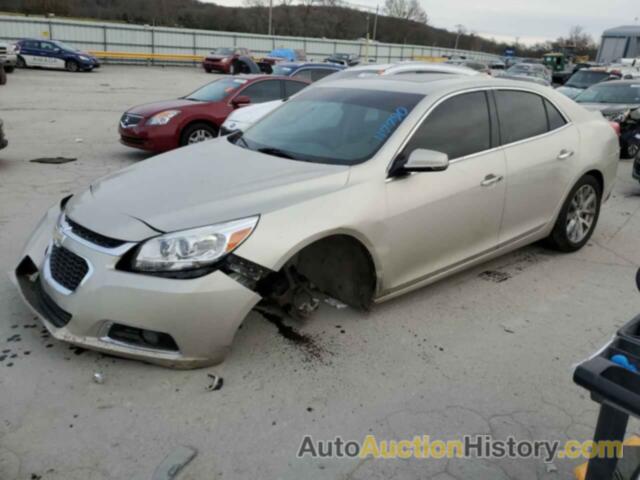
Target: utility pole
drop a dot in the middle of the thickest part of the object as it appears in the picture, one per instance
(375, 24)
(270, 16)
(460, 32)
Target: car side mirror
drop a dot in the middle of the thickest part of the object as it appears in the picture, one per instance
(423, 160)
(240, 101)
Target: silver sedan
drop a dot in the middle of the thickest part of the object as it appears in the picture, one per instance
(361, 190)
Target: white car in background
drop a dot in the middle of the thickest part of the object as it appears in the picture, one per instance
(8, 56)
(243, 118)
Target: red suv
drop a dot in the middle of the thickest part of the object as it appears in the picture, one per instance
(165, 125)
(224, 59)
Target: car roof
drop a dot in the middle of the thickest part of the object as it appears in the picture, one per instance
(260, 76)
(430, 84)
(620, 82)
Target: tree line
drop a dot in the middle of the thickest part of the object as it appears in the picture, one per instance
(400, 21)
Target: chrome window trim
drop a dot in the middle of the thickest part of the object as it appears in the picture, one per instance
(493, 149)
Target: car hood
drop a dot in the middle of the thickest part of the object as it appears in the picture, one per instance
(571, 92)
(253, 113)
(157, 107)
(203, 184)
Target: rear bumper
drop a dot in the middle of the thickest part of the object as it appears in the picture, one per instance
(201, 315)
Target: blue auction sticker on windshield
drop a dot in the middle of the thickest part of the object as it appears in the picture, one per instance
(391, 123)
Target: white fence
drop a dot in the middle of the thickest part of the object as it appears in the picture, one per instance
(116, 37)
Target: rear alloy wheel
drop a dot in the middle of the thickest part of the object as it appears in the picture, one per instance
(578, 217)
(72, 66)
(632, 150)
(198, 132)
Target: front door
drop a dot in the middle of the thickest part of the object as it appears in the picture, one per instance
(438, 220)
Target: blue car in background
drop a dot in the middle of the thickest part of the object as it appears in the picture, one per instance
(308, 71)
(33, 52)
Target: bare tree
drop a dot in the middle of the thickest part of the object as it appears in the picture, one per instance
(406, 9)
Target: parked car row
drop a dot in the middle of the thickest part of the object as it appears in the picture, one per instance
(359, 187)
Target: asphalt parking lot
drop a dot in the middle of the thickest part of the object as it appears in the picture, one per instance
(490, 350)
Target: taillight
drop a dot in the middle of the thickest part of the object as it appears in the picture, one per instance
(616, 128)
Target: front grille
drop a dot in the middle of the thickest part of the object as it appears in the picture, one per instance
(50, 309)
(67, 268)
(93, 237)
(3, 50)
(130, 120)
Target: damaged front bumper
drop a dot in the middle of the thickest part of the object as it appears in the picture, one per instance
(180, 323)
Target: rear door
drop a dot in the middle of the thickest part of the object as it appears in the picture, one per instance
(438, 220)
(30, 52)
(541, 148)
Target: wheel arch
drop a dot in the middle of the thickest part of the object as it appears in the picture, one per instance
(341, 263)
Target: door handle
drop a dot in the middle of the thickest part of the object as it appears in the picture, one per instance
(491, 179)
(564, 154)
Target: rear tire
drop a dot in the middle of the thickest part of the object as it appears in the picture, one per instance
(72, 66)
(197, 132)
(3, 76)
(578, 217)
(9, 68)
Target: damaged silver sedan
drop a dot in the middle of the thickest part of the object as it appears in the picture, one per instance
(361, 189)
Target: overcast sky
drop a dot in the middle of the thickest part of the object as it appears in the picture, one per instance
(531, 21)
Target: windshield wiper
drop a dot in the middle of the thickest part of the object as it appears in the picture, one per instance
(277, 152)
(239, 138)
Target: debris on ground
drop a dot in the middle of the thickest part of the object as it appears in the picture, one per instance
(506, 329)
(332, 302)
(495, 276)
(174, 463)
(78, 140)
(308, 344)
(216, 382)
(551, 468)
(53, 160)
(98, 378)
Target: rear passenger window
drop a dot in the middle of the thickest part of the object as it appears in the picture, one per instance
(556, 120)
(522, 115)
(459, 126)
(291, 88)
(264, 91)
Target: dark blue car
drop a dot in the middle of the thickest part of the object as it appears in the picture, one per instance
(34, 52)
(310, 72)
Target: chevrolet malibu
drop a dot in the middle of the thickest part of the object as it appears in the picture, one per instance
(169, 124)
(361, 190)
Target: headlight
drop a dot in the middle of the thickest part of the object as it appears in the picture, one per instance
(225, 60)
(163, 118)
(83, 58)
(195, 248)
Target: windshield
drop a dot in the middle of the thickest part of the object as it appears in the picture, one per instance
(279, 70)
(223, 51)
(628, 93)
(63, 46)
(216, 91)
(340, 126)
(585, 78)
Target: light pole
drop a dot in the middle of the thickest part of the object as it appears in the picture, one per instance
(460, 32)
(270, 16)
(375, 24)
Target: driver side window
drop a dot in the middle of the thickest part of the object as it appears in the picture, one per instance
(459, 126)
(264, 91)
